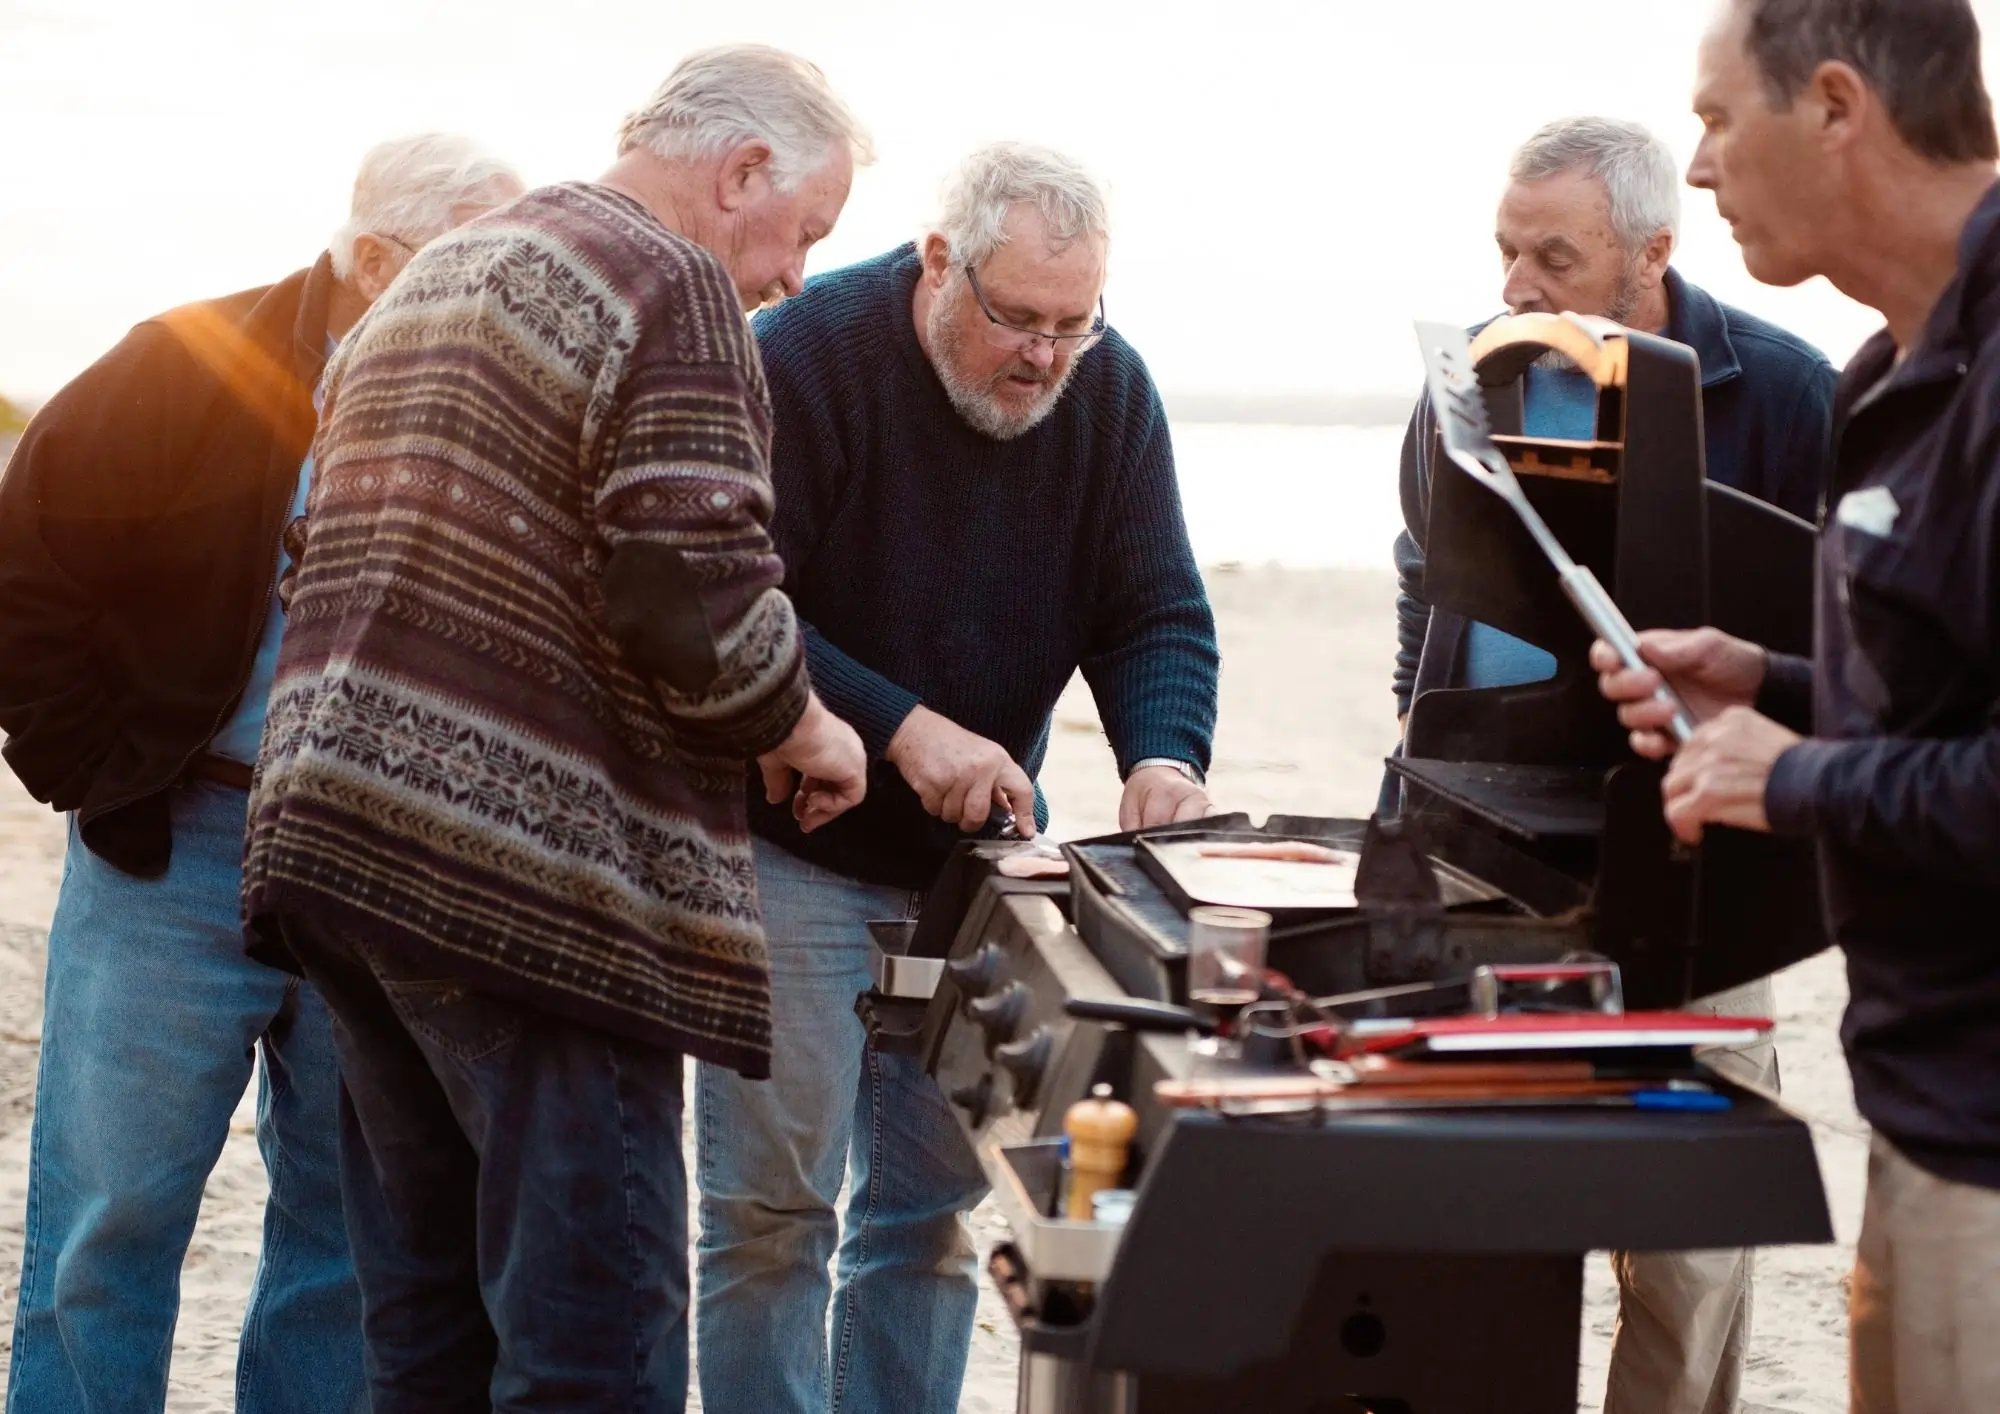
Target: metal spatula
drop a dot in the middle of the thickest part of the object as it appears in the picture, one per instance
(1461, 417)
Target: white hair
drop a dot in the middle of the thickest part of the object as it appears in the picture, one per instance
(409, 187)
(720, 97)
(992, 181)
(1640, 176)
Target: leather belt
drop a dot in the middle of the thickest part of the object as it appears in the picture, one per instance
(219, 769)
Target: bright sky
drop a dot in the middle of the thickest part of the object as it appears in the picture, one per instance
(1293, 183)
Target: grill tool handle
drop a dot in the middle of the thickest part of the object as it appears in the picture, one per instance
(1604, 617)
(1138, 1015)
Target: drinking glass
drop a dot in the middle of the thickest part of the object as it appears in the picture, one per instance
(1225, 969)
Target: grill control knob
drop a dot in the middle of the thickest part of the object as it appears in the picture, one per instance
(977, 971)
(999, 1014)
(1025, 1060)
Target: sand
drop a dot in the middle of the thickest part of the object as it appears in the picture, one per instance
(1306, 718)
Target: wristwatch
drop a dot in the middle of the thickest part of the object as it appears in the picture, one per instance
(1192, 772)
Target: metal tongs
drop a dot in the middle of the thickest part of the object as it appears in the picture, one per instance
(1468, 441)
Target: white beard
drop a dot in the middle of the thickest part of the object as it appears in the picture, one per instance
(976, 402)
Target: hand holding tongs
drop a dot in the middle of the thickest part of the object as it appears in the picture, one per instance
(1461, 417)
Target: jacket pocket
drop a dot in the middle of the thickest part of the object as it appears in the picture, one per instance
(1907, 671)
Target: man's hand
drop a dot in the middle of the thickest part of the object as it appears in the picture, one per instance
(959, 775)
(1719, 776)
(1160, 795)
(821, 766)
(1711, 671)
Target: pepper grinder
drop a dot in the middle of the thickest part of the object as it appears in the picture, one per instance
(1100, 1131)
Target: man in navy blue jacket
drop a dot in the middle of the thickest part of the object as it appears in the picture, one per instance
(1856, 141)
(975, 498)
(1588, 224)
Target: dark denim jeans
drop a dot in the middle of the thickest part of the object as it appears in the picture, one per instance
(514, 1190)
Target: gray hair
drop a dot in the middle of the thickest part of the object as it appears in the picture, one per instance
(408, 188)
(1640, 176)
(717, 98)
(1920, 56)
(997, 178)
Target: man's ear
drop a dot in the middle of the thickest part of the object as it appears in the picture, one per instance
(1841, 102)
(375, 265)
(745, 171)
(1653, 260)
(936, 253)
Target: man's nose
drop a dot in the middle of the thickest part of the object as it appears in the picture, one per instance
(1519, 291)
(794, 278)
(1701, 171)
(1041, 354)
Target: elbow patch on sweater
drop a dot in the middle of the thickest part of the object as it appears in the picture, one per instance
(653, 606)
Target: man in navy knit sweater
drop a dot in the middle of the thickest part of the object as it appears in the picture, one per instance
(976, 498)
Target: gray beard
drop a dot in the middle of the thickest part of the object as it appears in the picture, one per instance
(975, 402)
(1624, 299)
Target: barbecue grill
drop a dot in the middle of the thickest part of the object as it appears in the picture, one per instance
(1426, 1261)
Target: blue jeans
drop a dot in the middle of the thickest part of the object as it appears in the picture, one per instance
(150, 1021)
(515, 1191)
(771, 1155)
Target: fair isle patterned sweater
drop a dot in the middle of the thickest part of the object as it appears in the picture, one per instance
(536, 630)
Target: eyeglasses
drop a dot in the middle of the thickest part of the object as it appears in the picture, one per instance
(1002, 335)
(396, 241)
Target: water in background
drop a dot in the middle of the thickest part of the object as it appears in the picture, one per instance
(1304, 497)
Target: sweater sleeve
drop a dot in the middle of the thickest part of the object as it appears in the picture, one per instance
(1153, 665)
(808, 470)
(874, 706)
(1413, 613)
(1786, 694)
(1932, 804)
(691, 584)
(94, 464)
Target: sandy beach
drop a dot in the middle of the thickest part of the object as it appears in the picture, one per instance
(1306, 719)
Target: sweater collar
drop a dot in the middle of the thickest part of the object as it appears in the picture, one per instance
(1952, 332)
(905, 269)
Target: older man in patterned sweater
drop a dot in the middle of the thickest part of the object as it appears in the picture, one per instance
(499, 820)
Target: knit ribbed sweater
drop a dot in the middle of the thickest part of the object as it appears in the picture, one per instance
(933, 564)
(536, 631)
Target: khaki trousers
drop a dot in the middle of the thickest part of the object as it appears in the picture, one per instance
(1684, 1317)
(1924, 1305)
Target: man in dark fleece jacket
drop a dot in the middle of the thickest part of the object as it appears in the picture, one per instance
(1857, 142)
(140, 526)
(976, 497)
(1588, 223)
